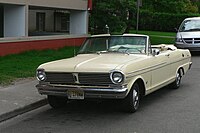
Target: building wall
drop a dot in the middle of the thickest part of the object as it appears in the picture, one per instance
(19, 11)
(26, 44)
(17, 21)
(1, 21)
(14, 21)
(79, 22)
(20, 2)
(70, 4)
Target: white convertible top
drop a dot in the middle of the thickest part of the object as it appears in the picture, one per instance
(103, 35)
(164, 47)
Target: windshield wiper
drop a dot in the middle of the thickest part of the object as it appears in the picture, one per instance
(197, 29)
(114, 51)
(101, 52)
(86, 52)
(123, 52)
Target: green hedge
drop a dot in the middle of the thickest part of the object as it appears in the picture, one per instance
(161, 21)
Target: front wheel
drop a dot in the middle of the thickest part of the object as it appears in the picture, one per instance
(132, 101)
(56, 101)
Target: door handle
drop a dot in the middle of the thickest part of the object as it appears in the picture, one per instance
(167, 55)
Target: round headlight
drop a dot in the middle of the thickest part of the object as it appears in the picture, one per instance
(117, 77)
(41, 76)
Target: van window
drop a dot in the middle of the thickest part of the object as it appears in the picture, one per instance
(190, 25)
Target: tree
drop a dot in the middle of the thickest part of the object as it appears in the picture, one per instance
(117, 14)
(120, 15)
(171, 6)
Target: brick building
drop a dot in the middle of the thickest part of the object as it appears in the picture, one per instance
(40, 24)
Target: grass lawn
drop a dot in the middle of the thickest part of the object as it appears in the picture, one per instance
(161, 40)
(156, 33)
(157, 37)
(24, 65)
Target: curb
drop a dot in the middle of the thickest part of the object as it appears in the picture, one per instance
(23, 110)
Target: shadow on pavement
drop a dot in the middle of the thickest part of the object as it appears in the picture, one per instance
(196, 53)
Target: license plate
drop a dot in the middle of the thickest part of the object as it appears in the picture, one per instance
(75, 94)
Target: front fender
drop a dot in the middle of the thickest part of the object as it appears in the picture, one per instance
(133, 80)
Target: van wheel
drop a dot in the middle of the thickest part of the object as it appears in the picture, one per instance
(132, 101)
(56, 101)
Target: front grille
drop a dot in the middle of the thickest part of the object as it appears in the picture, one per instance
(59, 78)
(83, 78)
(95, 78)
(192, 40)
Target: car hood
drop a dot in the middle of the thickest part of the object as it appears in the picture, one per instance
(194, 34)
(90, 63)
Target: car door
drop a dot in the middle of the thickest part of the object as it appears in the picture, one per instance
(160, 70)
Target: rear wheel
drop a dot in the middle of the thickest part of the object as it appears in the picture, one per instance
(56, 101)
(132, 101)
(176, 84)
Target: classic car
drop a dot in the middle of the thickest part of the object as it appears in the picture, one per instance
(108, 66)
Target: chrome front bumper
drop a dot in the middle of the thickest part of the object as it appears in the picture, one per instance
(188, 46)
(89, 92)
(190, 65)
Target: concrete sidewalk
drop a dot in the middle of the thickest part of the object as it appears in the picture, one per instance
(19, 98)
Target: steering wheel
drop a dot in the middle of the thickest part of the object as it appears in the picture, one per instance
(126, 49)
(134, 49)
(122, 47)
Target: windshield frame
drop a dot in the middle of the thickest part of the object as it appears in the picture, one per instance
(108, 38)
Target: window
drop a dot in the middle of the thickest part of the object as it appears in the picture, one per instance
(62, 21)
(40, 21)
(65, 22)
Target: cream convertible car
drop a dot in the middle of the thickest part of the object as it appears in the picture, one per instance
(107, 66)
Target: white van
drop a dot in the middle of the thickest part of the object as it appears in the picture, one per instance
(188, 35)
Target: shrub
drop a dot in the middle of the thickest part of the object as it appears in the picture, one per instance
(161, 21)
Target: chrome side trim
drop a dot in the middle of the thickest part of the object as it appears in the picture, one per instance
(148, 69)
(151, 68)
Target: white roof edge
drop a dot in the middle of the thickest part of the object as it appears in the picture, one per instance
(135, 35)
(100, 35)
(193, 18)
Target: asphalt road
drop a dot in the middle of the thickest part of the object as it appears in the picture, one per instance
(164, 111)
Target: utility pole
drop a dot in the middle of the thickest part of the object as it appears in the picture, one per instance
(139, 3)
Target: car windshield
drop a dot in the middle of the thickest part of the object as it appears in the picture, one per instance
(190, 25)
(122, 44)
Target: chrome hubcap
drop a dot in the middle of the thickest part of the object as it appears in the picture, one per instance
(135, 98)
(178, 79)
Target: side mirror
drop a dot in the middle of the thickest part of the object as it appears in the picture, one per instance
(176, 29)
(155, 52)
